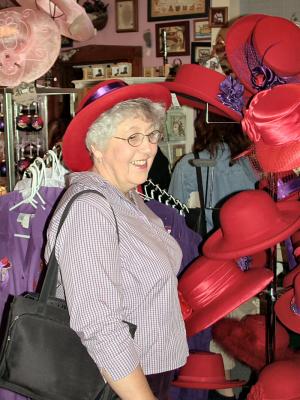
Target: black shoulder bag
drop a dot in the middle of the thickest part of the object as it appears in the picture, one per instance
(195, 218)
(41, 356)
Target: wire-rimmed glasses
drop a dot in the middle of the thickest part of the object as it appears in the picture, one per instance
(136, 139)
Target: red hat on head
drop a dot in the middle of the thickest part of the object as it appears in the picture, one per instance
(211, 289)
(238, 336)
(264, 51)
(251, 221)
(287, 307)
(195, 86)
(272, 122)
(99, 99)
(204, 370)
(278, 381)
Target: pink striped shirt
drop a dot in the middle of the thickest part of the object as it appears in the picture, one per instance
(105, 281)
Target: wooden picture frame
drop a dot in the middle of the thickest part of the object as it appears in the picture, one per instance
(177, 36)
(202, 30)
(126, 15)
(201, 52)
(218, 17)
(163, 10)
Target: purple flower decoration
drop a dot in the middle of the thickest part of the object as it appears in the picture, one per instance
(263, 78)
(231, 93)
(244, 263)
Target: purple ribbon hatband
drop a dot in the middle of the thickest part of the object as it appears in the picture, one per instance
(104, 90)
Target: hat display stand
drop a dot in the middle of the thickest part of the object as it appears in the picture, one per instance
(278, 193)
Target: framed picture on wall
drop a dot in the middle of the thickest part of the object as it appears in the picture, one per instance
(200, 52)
(126, 15)
(162, 10)
(178, 151)
(177, 36)
(218, 17)
(202, 30)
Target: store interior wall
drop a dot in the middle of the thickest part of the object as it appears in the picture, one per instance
(108, 35)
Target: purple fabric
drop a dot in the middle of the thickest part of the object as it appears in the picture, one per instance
(34, 255)
(231, 93)
(189, 242)
(24, 254)
(187, 239)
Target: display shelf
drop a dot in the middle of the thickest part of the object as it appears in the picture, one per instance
(27, 143)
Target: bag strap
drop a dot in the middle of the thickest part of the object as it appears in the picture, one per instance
(50, 280)
(201, 196)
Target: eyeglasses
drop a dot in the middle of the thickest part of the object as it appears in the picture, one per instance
(136, 139)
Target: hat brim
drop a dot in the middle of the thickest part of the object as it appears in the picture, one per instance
(278, 158)
(197, 98)
(208, 385)
(250, 284)
(285, 314)
(288, 280)
(75, 154)
(217, 247)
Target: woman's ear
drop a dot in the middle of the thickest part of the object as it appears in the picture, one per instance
(97, 154)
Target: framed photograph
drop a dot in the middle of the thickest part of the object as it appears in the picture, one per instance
(178, 151)
(202, 30)
(176, 124)
(98, 72)
(121, 69)
(201, 52)
(177, 35)
(218, 17)
(126, 15)
(162, 10)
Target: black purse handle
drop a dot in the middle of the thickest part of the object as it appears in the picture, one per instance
(50, 280)
(201, 196)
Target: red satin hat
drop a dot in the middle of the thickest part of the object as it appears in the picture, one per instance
(238, 336)
(278, 381)
(264, 51)
(204, 370)
(99, 99)
(251, 221)
(30, 44)
(289, 278)
(213, 288)
(196, 85)
(272, 122)
(287, 307)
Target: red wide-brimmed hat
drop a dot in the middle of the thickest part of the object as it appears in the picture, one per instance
(99, 99)
(195, 86)
(288, 280)
(264, 51)
(251, 221)
(287, 307)
(272, 122)
(30, 44)
(245, 339)
(204, 370)
(211, 289)
(278, 381)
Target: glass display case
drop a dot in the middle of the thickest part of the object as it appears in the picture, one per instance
(24, 129)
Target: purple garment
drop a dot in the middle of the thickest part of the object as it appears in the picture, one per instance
(187, 239)
(33, 263)
(189, 242)
(23, 253)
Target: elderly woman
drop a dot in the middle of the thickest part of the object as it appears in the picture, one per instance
(113, 271)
